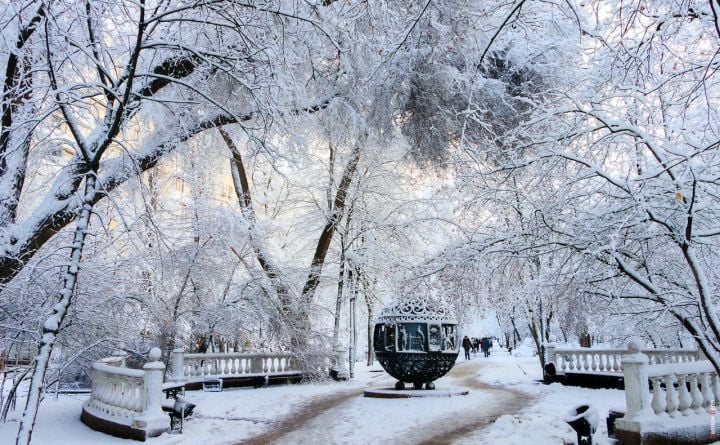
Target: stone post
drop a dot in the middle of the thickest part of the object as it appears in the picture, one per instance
(178, 369)
(637, 396)
(153, 420)
(550, 349)
(340, 370)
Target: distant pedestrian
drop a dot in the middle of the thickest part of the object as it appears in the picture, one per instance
(466, 344)
(485, 346)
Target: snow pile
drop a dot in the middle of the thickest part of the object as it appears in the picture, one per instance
(525, 349)
(531, 428)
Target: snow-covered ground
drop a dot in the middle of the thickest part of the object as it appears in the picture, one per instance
(506, 405)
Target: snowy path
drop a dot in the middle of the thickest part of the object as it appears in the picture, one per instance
(509, 401)
(349, 418)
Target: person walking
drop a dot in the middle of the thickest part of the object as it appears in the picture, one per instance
(485, 346)
(466, 344)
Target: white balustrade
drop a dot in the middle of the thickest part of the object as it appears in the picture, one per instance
(609, 360)
(678, 387)
(670, 393)
(198, 366)
(128, 397)
(117, 391)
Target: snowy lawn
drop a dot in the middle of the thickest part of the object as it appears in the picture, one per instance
(541, 422)
(297, 414)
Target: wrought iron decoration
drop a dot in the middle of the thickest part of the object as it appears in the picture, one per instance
(416, 341)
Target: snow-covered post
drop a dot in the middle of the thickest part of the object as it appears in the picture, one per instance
(153, 418)
(339, 368)
(637, 396)
(550, 349)
(178, 371)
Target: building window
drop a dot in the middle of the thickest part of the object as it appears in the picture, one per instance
(179, 185)
(228, 192)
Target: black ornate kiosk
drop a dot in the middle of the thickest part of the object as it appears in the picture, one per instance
(416, 341)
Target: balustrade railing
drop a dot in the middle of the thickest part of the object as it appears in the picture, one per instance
(658, 393)
(126, 402)
(116, 391)
(196, 366)
(682, 390)
(609, 360)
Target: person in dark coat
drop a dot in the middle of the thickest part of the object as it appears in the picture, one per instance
(466, 344)
(485, 346)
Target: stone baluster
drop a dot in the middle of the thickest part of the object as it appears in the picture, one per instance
(671, 400)
(658, 401)
(716, 389)
(139, 397)
(127, 395)
(571, 360)
(707, 394)
(695, 395)
(684, 398)
(593, 364)
(178, 367)
(637, 397)
(115, 396)
(123, 396)
(134, 404)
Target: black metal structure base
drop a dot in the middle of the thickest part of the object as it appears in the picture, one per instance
(416, 368)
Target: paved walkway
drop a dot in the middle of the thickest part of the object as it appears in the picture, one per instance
(334, 418)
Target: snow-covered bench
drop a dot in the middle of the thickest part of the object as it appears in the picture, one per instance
(127, 402)
(667, 403)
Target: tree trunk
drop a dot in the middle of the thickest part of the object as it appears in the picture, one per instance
(340, 288)
(244, 197)
(323, 244)
(370, 314)
(53, 324)
(14, 143)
